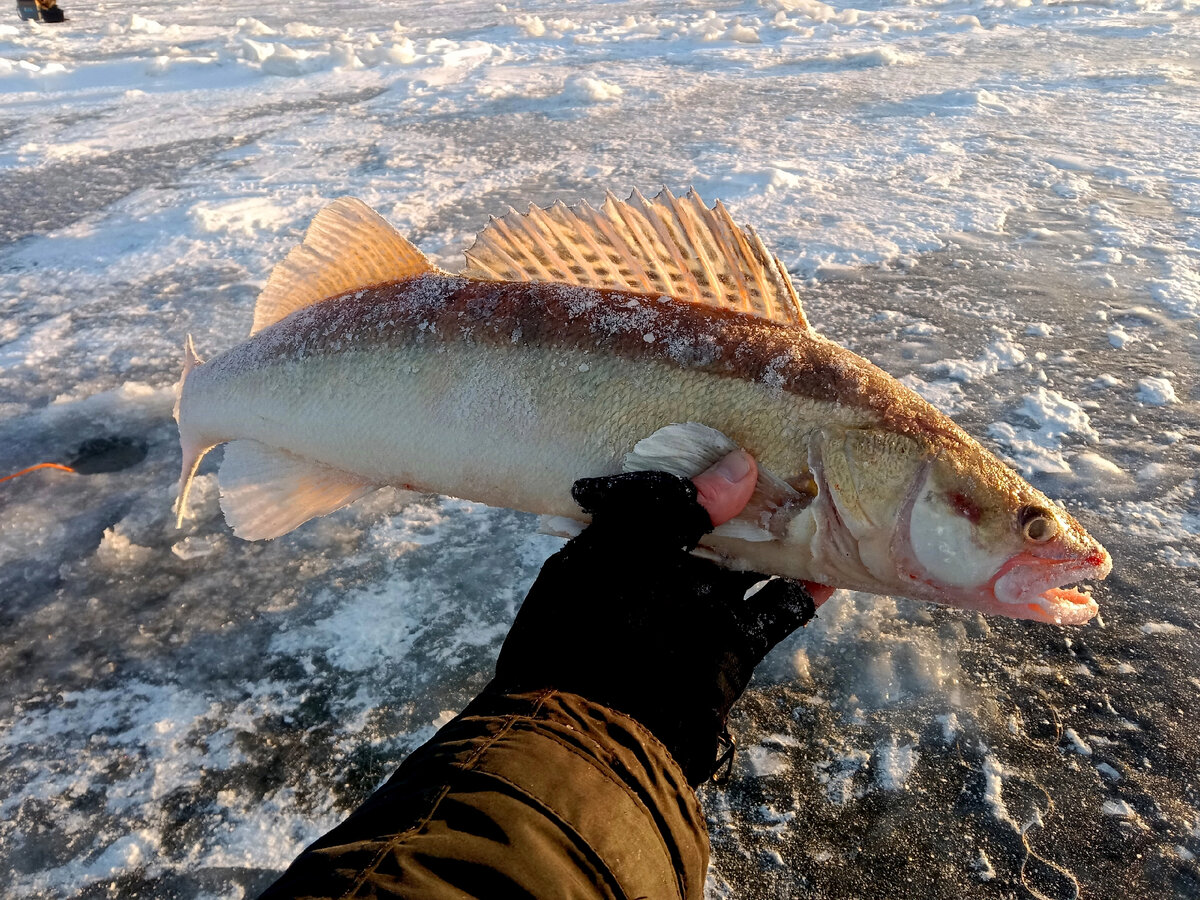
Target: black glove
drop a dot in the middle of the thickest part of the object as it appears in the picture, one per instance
(625, 616)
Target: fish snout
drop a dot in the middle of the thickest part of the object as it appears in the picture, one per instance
(1034, 587)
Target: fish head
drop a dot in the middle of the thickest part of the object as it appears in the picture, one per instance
(984, 538)
(947, 521)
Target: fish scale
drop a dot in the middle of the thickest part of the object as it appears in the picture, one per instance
(372, 367)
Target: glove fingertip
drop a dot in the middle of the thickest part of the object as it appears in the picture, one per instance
(785, 594)
(586, 492)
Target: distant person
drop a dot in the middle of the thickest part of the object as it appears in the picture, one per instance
(572, 774)
(46, 10)
(50, 11)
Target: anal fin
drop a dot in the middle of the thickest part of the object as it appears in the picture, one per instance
(266, 492)
(689, 448)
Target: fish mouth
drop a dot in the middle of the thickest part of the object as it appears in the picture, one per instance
(1030, 587)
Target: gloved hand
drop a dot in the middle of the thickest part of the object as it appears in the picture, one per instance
(625, 616)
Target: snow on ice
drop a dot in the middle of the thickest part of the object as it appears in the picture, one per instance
(995, 201)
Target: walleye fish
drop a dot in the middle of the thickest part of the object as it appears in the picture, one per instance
(580, 342)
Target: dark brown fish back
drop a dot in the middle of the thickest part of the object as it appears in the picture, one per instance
(726, 343)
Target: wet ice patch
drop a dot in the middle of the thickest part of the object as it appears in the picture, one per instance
(1003, 353)
(839, 775)
(1045, 419)
(1118, 808)
(248, 217)
(1161, 628)
(1156, 391)
(1076, 743)
(894, 764)
(586, 89)
(761, 760)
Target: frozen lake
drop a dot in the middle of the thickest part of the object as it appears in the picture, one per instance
(997, 201)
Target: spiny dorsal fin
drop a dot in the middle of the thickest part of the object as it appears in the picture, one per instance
(347, 246)
(668, 245)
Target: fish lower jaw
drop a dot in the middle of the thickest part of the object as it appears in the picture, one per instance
(1040, 593)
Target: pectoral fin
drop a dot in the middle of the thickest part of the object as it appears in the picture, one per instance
(266, 492)
(688, 449)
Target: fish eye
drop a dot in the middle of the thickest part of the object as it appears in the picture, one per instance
(1038, 524)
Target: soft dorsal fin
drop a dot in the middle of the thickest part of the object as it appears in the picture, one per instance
(347, 246)
(668, 245)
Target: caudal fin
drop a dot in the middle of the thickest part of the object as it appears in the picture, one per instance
(193, 448)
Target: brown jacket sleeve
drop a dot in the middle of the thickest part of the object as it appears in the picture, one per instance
(538, 795)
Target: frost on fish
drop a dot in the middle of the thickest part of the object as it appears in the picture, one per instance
(650, 333)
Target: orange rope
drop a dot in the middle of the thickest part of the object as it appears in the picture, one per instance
(35, 468)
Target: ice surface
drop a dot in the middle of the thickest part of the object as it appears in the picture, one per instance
(1156, 391)
(995, 200)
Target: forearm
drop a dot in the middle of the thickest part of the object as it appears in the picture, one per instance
(569, 775)
(540, 794)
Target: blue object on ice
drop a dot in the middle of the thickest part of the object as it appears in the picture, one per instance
(27, 9)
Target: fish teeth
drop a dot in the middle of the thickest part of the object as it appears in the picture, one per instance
(1040, 590)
